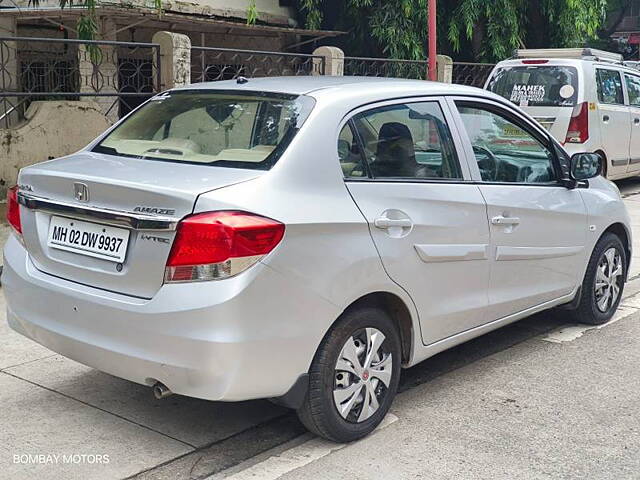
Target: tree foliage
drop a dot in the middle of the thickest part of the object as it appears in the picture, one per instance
(487, 30)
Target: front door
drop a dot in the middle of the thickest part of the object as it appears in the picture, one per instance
(538, 227)
(426, 219)
(614, 121)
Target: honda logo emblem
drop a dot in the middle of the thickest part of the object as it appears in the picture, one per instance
(81, 192)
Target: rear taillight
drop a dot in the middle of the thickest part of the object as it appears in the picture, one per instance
(13, 209)
(217, 245)
(535, 62)
(578, 131)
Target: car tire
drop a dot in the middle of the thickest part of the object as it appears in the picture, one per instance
(605, 275)
(335, 382)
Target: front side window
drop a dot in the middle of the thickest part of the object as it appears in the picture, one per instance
(609, 87)
(229, 129)
(505, 151)
(408, 141)
(633, 89)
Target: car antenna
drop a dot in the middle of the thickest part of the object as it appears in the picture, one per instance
(241, 80)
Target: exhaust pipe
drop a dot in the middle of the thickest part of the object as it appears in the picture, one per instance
(160, 391)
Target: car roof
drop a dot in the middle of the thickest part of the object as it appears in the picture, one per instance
(304, 85)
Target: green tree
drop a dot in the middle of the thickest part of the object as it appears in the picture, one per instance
(486, 30)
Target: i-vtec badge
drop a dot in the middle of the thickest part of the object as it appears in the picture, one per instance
(153, 238)
(155, 211)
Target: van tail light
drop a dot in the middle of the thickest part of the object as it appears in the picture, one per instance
(535, 62)
(578, 131)
(13, 210)
(218, 245)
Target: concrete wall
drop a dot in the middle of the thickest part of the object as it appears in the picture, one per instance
(268, 10)
(46, 135)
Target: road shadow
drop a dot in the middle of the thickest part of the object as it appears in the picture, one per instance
(244, 445)
(483, 346)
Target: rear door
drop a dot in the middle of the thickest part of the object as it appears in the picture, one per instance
(632, 83)
(538, 227)
(614, 120)
(427, 219)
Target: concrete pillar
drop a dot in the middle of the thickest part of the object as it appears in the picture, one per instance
(333, 61)
(175, 59)
(445, 68)
(9, 80)
(98, 66)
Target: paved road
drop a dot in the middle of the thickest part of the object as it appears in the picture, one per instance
(507, 405)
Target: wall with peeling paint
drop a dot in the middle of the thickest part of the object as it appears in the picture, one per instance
(268, 10)
(52, 129)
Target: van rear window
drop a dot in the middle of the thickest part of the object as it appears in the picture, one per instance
(536, 85)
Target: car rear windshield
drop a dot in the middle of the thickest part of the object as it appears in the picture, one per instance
(222, 128)
(536, 85)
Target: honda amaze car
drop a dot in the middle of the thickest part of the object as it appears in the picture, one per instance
(303, 239)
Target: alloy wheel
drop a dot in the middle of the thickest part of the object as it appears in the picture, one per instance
(608, 279)
(362, 375)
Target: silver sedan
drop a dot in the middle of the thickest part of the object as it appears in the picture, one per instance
(302, 239)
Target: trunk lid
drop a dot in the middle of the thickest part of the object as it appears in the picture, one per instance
(117, 187)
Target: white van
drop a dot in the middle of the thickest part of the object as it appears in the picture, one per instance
(588, 99)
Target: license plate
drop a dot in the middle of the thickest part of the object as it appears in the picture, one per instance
(91, 239)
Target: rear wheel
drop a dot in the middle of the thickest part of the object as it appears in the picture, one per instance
(603, 281)
(354, 376)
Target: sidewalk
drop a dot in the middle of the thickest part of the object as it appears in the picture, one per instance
(538, 410)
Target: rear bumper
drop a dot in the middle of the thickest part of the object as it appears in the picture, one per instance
(247, 337)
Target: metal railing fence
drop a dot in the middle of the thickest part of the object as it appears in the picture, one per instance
(473, 74)
(385, 67)
(119, 74)
(210, 64)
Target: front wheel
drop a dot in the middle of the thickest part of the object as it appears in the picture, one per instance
(603, 281)
(354, 376)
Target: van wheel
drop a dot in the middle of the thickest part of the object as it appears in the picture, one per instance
(603, 281)
(354, 376)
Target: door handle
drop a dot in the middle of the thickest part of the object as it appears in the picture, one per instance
(500, 220)
(605, 118)
(636, 121)
(384, 222)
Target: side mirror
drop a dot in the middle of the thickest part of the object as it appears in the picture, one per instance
(585, 166)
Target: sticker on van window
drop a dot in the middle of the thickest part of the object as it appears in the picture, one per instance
(567, 91)
(527, 93)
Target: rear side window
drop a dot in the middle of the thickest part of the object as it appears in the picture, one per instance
(536, 85)
(408, 141)
(609, 87)
(633, 89)
(224, 128)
